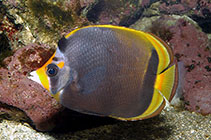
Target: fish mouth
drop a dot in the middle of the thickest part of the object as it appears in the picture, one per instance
(34, 77)
(57, 95)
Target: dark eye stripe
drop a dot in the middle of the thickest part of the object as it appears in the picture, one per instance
(55, 59)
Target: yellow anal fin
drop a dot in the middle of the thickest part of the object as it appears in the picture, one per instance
(167, 81)
(155, 107)
(165, 87)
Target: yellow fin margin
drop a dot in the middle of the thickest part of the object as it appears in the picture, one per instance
(140, 33)
(164, 52)
(165, 85)
(154, 108)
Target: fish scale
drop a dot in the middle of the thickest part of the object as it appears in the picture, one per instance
(113, 72)
(122, 58)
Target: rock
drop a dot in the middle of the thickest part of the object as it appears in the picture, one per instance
(178, 7)
(8, 28)
(30, 58)
(44, 22)
(117, 12)
(18, 91)
(204, 19)
(198, 10)
(169, 125)
(190, 45)
(5, 49)
(86, 3)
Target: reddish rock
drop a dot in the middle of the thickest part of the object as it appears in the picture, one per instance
(29, 58)
(18, 91)
(10, 29)
(146, 3)
(86, 3)
(172, 9)
(188, 42)
(184, 6)
(190, 47)
(116, 12)
(190, 3)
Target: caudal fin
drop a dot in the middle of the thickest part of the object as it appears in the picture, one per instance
(167, 81)
(176, 101)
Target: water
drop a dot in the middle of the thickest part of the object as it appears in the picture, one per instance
(183, 25)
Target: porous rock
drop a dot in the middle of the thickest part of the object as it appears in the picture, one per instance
(122, 13)
(19, 91)
(198, 10)
(190, 47)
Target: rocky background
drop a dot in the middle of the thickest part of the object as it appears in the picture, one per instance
(30, 30)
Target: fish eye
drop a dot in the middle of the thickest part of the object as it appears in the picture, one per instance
(52, 70)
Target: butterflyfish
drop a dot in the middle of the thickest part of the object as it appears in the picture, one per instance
(111, 71)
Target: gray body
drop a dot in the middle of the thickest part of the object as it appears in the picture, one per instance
(112, 72)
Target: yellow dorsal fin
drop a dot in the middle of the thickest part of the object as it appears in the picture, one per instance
(164, 52)
(166, 82)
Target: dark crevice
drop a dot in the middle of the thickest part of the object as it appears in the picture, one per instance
(205, 21)
(95, 11)
(5, 49)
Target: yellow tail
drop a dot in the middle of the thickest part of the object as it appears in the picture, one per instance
(166, 82)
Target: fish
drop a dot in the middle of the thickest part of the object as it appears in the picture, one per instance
(111, 71)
